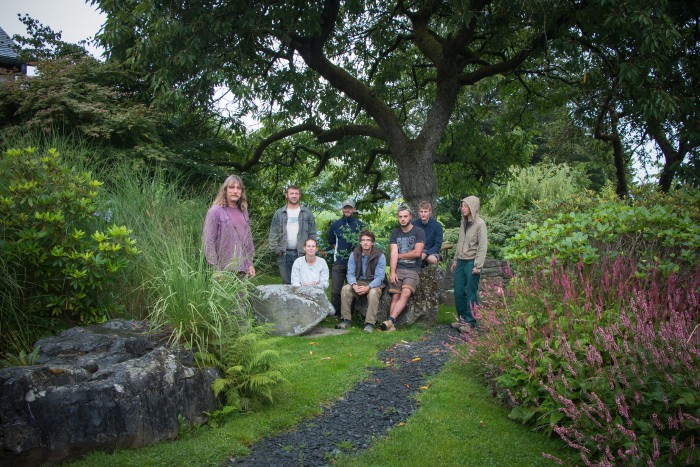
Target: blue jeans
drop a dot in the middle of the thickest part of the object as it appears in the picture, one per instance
(466, 289)
(285, 263)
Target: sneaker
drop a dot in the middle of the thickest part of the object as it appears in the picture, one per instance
(369, 328)
(456, 325)
(343, 324)
(465, 328)
(388, 326)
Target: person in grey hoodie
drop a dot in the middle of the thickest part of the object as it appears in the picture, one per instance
(469, 259)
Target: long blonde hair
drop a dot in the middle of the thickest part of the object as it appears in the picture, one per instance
(220, 199)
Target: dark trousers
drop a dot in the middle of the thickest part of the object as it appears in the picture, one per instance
(466, 288)
(338, 275)
(285, 263)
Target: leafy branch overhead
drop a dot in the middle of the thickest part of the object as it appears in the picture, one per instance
(389, 72)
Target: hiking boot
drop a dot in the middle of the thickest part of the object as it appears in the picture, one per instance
(388, 326)
(343, 324)
(369, 328)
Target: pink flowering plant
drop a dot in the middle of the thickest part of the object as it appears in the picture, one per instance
(605, 355)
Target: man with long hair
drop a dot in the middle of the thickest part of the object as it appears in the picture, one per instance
(227, 238)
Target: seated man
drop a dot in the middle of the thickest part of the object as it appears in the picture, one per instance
(366, 276)
(310, 269)
(433, 233)
(407, 243)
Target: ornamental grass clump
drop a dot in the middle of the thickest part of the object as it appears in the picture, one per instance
(604, 357)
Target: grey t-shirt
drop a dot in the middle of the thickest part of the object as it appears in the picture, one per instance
(406, 241)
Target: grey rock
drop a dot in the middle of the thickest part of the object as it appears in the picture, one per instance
(292, 310)
(99, 387)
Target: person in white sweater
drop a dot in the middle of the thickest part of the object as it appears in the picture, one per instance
(310, 269)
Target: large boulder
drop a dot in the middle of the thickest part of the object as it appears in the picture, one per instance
(292, 310)
(422, 306)
(99, 387)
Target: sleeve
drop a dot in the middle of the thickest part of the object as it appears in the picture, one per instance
(273, 238)
(350, 275)
(331, 235)
(296, 272)
(437, 243)
(481, 248)
(392, 237)
(420, 236)
(379, 272)
(210, 234)
(248, 246)
(323, 273)
(313, 233)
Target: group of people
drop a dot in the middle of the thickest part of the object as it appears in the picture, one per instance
(359, 267)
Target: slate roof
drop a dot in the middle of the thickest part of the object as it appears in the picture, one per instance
(7, 52)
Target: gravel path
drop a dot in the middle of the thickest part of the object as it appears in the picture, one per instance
(375, 405)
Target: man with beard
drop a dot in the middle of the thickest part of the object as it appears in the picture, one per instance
(406, 243)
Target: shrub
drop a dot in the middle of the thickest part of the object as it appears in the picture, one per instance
(609, 229)
(56, 240)
(605, 357)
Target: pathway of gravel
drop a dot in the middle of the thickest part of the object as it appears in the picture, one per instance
(383, 400)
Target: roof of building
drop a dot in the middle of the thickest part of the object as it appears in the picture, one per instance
(7, 51)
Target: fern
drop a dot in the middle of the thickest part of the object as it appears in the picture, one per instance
(252, 368)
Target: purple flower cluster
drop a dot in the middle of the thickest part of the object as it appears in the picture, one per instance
(607, 358)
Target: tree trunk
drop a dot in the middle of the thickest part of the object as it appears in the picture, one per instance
(417, 178)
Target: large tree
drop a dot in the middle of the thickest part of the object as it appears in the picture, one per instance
(393, 71)
(390, 73)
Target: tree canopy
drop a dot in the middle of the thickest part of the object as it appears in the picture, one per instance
(400, 78)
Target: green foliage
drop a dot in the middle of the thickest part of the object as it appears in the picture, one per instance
(197, 305)
(503, 226)
(21, 359)
(44, 43)
(663, 234)
(252, 368)
(539, 183)
(56, 240)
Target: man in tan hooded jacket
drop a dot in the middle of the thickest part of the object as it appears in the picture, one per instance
(469, 259)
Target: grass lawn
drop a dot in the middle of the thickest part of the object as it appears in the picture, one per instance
(445, 430)
(459, 423)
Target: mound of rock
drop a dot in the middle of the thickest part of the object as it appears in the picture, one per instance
(291, 310)
(99, 387)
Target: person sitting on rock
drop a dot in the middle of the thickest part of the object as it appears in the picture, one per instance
(406, 243)
(366, 276)
(310, 269)
(433, 233)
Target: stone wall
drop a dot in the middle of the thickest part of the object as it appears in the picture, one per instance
(494, 271)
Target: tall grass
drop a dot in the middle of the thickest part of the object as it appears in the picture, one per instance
(166, 218)
(198, 306)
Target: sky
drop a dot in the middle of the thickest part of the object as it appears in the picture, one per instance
(76, 19)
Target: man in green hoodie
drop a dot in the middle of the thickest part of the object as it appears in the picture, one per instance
(469, 259)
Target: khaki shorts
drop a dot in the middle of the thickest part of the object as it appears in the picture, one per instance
(405, 279)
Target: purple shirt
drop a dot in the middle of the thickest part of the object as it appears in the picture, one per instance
(228, 242)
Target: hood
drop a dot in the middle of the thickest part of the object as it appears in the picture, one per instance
(474, 207)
